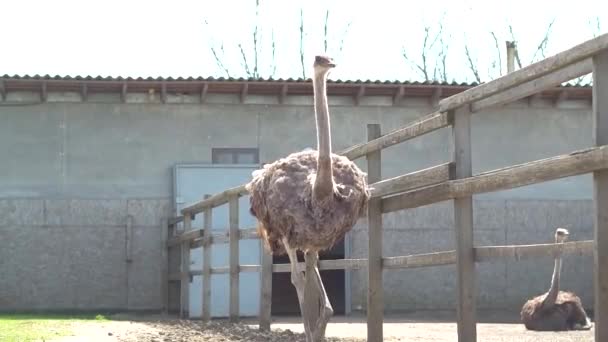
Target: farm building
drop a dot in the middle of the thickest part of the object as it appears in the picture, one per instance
(90, 167)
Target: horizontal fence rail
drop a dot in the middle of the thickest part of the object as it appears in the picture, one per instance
(448, 181)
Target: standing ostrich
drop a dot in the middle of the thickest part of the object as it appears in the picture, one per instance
(308, 201)
(555, 310)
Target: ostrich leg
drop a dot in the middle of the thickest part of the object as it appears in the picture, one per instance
(299, 282)
(312, 257)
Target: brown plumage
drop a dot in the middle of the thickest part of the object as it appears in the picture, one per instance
(281, 199)
(308, 201)
(555, 310)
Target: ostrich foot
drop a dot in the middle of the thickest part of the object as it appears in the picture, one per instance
(326, 310)
(299, 282)
(587, 325)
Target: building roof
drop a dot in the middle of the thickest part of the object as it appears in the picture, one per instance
(280, 87)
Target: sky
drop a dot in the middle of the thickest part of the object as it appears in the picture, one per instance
(174, 38)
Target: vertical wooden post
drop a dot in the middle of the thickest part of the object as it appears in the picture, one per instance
(375, 290)
(266, 288)
(463, 221)
(600, 196)
(164, 266)
(185, 270)
(234, 257)
(207, 245)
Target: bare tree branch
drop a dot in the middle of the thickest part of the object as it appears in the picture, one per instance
(274, 60)
(341, 46)
(302, 43)
(498, 51)
(542, 46)
(471, 64)
(516, 51)
(244, 62)
(255, 40)
(325, 29)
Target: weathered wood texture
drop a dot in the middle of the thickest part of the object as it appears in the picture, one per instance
(266, 288)
(538, 171)
(206, 282)
(215, 200)
(197, 236)
(421, 126)
(463, 223)
(530, 72)
(600, 195)
(521, 252)
(234, 257)
(413, 180)
(375, 295)
(420, 260)
(164, 265)
(185, 271)
(534, 86)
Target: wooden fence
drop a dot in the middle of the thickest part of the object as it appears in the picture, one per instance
(449, 181)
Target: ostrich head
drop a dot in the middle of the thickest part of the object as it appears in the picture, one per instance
(561, 234)
(323, 64)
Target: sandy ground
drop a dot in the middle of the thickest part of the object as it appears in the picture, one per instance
(396, 328)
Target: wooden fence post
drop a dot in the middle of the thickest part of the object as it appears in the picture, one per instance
(463, 222)
(185, 270)
(164, 266)
(234, 257)
(375, 290)
(206, 288)
(600, 192)
(266, 288)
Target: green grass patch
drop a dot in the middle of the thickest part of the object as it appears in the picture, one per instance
(39, 327)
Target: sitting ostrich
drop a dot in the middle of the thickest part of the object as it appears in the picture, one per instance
(308, 201)
(555, 310)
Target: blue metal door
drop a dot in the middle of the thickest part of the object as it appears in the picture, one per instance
(192, 182)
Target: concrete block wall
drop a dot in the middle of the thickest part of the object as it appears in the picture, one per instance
(72, 254)
(500, 285)
(73, 172)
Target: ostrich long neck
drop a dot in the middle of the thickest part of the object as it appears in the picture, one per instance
(554, 289)
(323, 186)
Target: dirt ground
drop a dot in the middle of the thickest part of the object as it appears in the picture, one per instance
(150, 328)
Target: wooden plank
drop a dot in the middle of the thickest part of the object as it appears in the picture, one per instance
(423, 125)
(184, 237)
(266, 289)
(538, 171)
(164, 266)
(530, 72)
(214, 200)
(283, 94)
(360, 93)
(176, 220)
(399, 94)
(163, 92)
(522, 252)
(84, 92)
(534, 86)
(337, 264)
(204, 90)
(463, 223)
(244, 234)
(234, 257)
(226, 270)
(375, 291)
(2, 91)
(420, 260)
(409, 181)
(43, 92)
(123, 93)
(434, 99)
(600, 196)
(206, 282)
(185, 269)
(244, 92)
